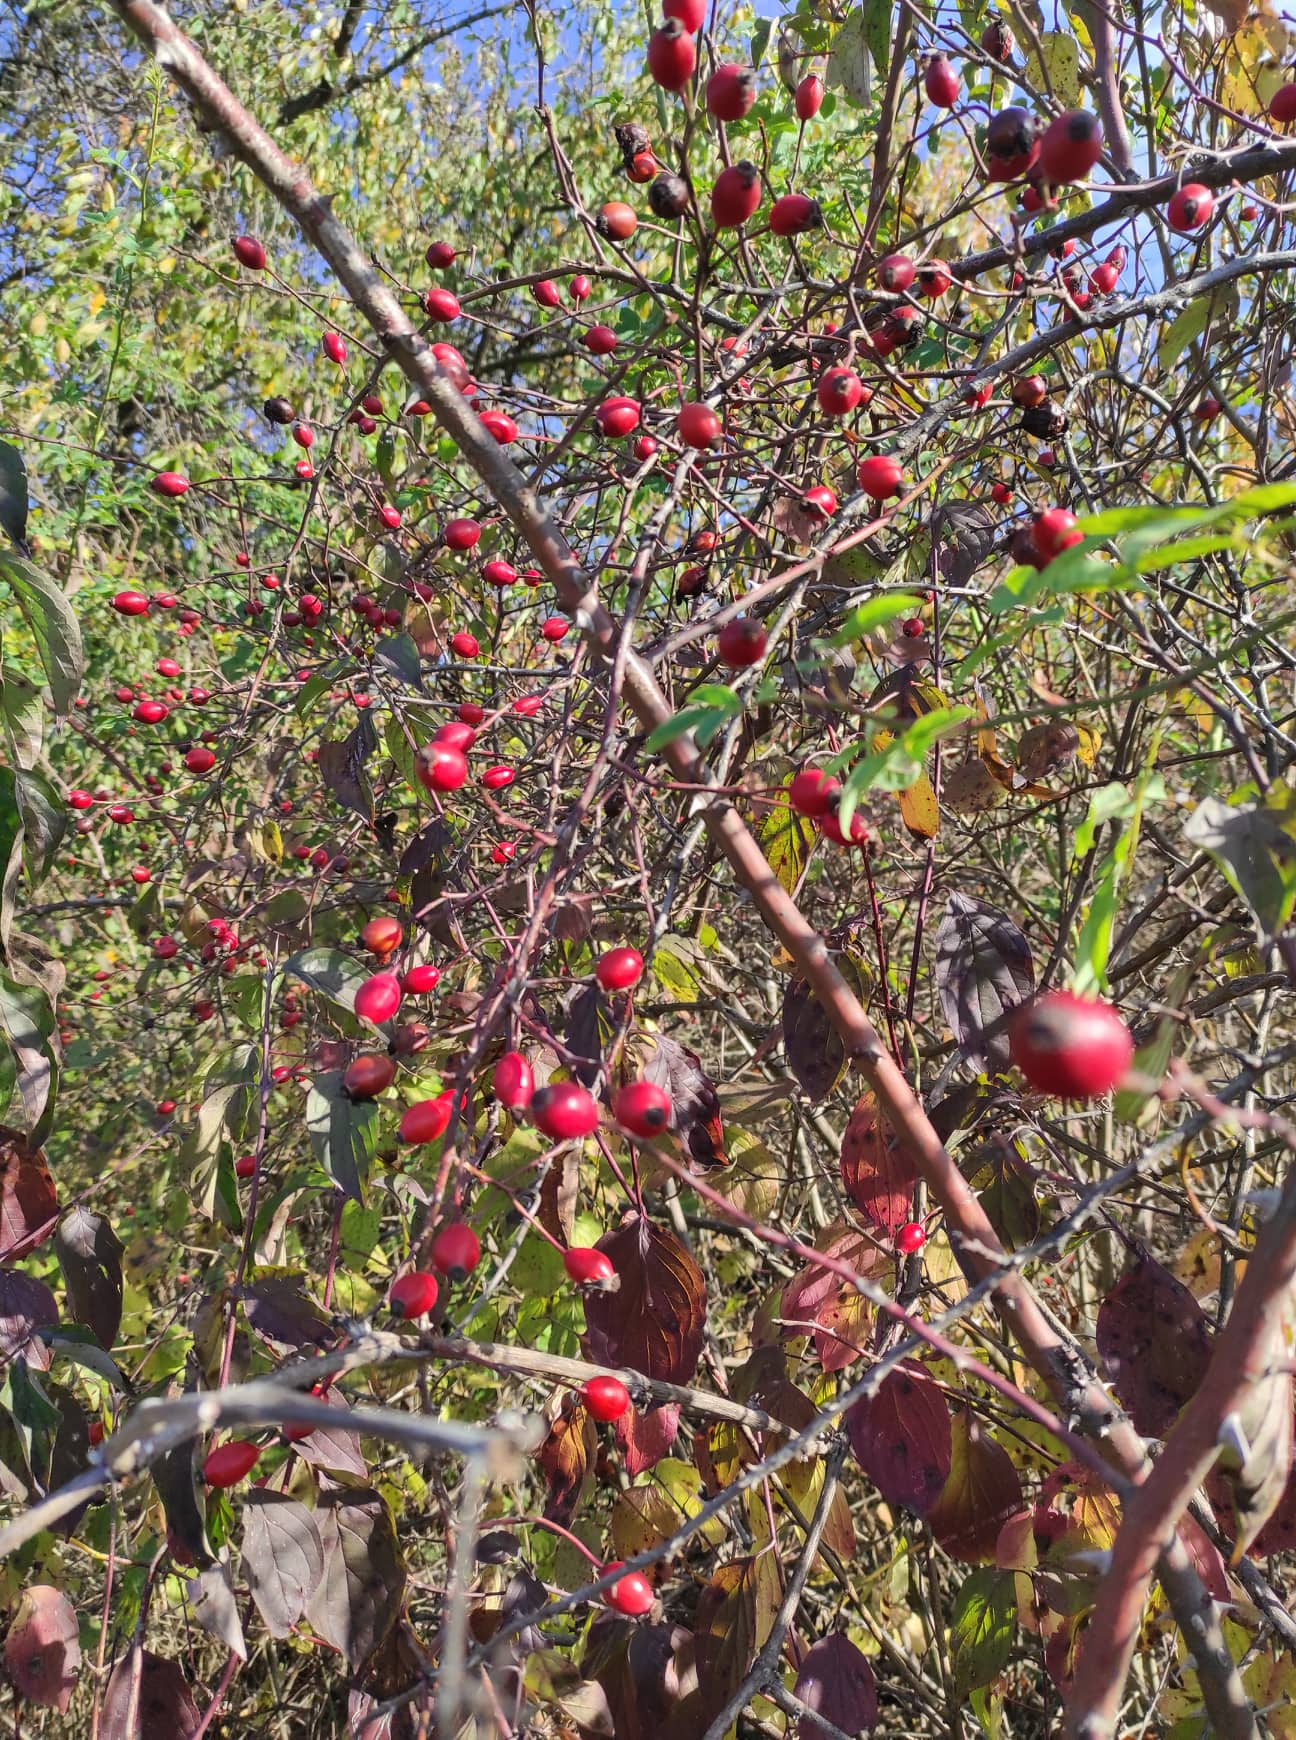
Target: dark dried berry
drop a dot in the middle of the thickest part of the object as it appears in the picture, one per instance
(632, 139)
(668, 195)
(1048, 421)
(278, 411)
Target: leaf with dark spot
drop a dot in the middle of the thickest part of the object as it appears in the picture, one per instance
(901, 1438)
(982, 1492)
(341, 767)
(360, 1595)
(655, 1321)
(283, 1557)
(564, 1459)
(644, 1436)
(965, 533)
(165, 1709)
(984, 970)
(838, 1313)
(835, 1680)
(90, 1256)
(816, 1053)
(735, 1614)
(695, 1103)
(42, 1652)
(1155, 1344)
(28, 1200)
(26, 1305)
(877, 1175)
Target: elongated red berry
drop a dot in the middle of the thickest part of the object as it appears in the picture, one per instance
(736, 195)
(456, 1250)
(941, 82)
(378, 999)
(413, 1294)
(795, 213)
(250, 253)
(513, 1081)
(588, 1267)
(809, 97)
(230, 1462)
(672, 55)
(427, 1120)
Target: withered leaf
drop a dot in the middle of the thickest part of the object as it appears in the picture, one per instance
(645, 1435)
(359, 1597)
(677, 1070)
(564, 1458)
(816, 1053)
(42, 1652)
(28, 1200)
(90, 1256)
(982, 1492)
(879, 1179)
(165, 1709)
(735, 1614)
(835, 1680)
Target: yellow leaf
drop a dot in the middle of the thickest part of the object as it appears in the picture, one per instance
(919, 810)
(786, 839)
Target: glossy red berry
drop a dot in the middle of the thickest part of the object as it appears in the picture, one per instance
(812, 792)
(440, 255)
(496, 778)
(1000, 493)
(1071, 145)
(941, 82)
(698, 424)
(1190, 207)
(245, 1166)
(616, 221)
(200, 759)
(580, 288)
(170, 483)
(231, 1462)
(413, 1294)
(564, 1111)
(427, 1120)
(456, 1250)
(79, 800)
(691, 13)
(880, 476)
(364, 1078)
(513, 1081)
(588, 1267)
(617, 416)
(440, 304)
(417, 980)
(607, 1398)
(546, 293)
(642, 1108)
(1282, 106)
(809, 97)
(1103, 279)
(730, 92)
(249, 252)
(619, 968)
(466, 646)
(1054, 531)
(555, 628)
(334, 347)
(831, 829)
(501, 426)
(741, 642)
(934, 279)
(631, 1595)
(895, 272)
(795, 213)
(378, 999)
(600, 340)
(736, 195)
(819, 502)
(839, 391)
(1076, 1048)
(911, 1237)
(672, 55)
(441, 767)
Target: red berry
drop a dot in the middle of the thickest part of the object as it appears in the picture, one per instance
(819, 501)
(698, 424)
(736, 195)
(461, 534)
(334, 348)
(440, 766)
(366, 1077)
(880, 476)
(1102, 280)
(440, 255)
(382, 935)
(564, 1111)
(934, 279)
(580, 288)
(497, 573)
(607, 1398)
(1282, 108)
(79, 800)
(1190, 207)
(496, 778)
(830, 827)
(501, 426)
(200, 760)
(250, 253)
(809, 97)
(441, 304)
(170, 483)
(793, 214)
(456, 1250)
(546, 293)
(554, 628)
(895, 272)
(600, 340)
(1012, 145)
(1076, 1048)
(642, 1108)
(427, 1120)
(513, 1081)
(413, 1294)
(588, 1267)
(1206, 409)
(1000, 493)
(839, 391)
(631, 1594)
(456, 733)
(150, 712)
(672, 55)
(998, 41)
(911, 1237)
(645, 447)
(691, 13)
(941, 82)
(416, 980)
(812, 792)
(466, 646)
(617, 416)
(1054, 531)
(229, 1463)
(618, 969)
(245, 1166)
(741, 642)
(1071, 145)
(730, 92)
(378, 998)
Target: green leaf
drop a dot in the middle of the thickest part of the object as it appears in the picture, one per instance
(982, 1627)
(24, 717)
(343, 1133)
(760, 40)
(53, 626)
(873, 614)
(27, 1021)
(44, 823)
(331, 973)
(399, 656)
(204, 1157)
(705, 714)
(13, 494)
(1192, 321)
(1254, 847)
(898, 764)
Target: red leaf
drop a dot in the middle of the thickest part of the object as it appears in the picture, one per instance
(165, 1711)
(879, 1179)
(655, 1321)
(1153, 1339)
(836, 1680)
(564, 1459)
(645, 1437)
(838, 1313)
(901, 1438)
(982, 1492)
(28, 1200)
(42, 1653)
